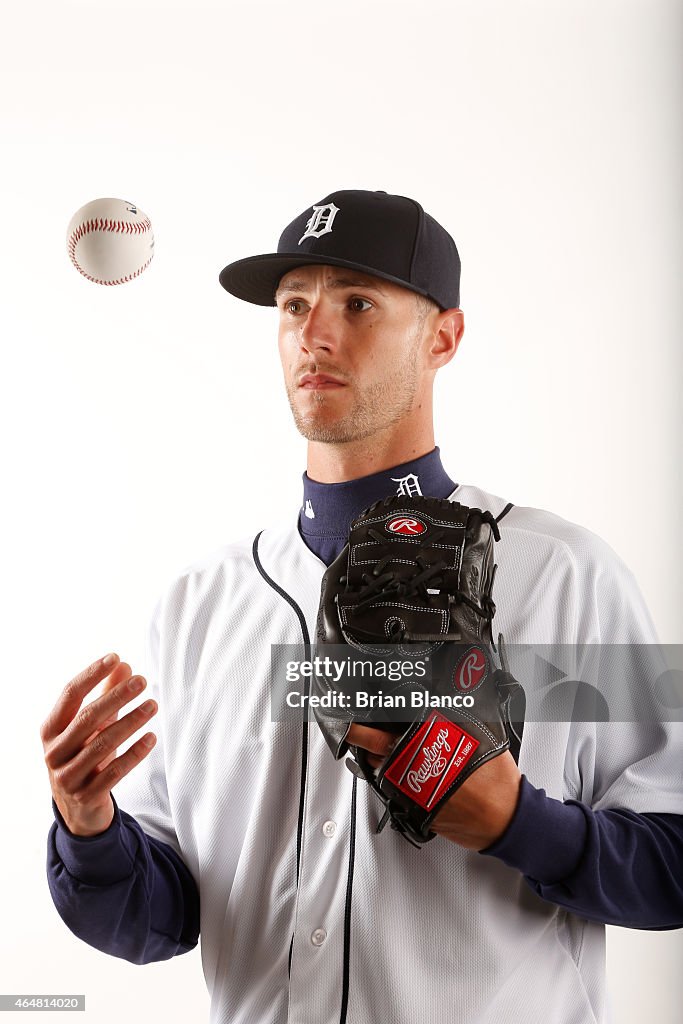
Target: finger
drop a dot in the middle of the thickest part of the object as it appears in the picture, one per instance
(377, 741)
(118, 732)
(73, 694)
(97, 754)
(122, 672)
(90, 719)
(374, 761)
(105, 780)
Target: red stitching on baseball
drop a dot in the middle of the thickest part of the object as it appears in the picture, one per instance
(118, 227)
(120, 280)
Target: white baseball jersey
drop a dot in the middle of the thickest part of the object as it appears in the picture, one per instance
(391, 933)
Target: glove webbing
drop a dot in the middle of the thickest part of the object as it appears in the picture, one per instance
(379, 586)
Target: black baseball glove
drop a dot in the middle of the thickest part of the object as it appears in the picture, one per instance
(413, 587)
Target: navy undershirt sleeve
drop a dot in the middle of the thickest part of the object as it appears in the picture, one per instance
(123, 891)
(614, 866)
(131, 895)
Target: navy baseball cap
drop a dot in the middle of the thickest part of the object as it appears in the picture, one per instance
(388, 236)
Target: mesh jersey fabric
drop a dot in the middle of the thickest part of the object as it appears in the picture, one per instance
(433, 932)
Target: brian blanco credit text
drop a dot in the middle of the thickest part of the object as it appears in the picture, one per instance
(363, 700)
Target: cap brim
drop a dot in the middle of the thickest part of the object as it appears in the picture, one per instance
(256, 278)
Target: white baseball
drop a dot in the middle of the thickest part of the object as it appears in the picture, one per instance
(110, 241)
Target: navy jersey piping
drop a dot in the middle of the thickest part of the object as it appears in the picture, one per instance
(304, 736)
(304, 763)
(347, 907)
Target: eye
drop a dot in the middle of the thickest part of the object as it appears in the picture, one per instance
(359, 305)
(293, 306)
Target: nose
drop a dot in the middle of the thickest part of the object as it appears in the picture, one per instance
(319, 332)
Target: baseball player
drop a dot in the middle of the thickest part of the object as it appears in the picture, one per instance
(232, 824)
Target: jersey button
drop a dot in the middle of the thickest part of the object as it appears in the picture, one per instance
(318, 936)
(329, 828)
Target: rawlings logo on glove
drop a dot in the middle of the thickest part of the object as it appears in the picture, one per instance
(407, 527)
(470, 670)
(431, 756)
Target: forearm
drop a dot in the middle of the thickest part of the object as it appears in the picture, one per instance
(613, 866)
(123, 892)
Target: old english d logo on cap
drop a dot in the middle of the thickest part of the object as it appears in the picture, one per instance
(320, 221)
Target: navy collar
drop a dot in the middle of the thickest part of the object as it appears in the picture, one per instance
(329, 509)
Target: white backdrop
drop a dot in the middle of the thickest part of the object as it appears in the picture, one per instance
(145, 425)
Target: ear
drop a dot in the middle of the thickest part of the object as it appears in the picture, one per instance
(449, 327)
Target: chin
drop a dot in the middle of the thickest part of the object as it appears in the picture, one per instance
(326, 429)
(322, 418)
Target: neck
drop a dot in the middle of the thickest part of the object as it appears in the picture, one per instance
(328, 509)
(330, 463)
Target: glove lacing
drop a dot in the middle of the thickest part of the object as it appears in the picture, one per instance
(382, 586)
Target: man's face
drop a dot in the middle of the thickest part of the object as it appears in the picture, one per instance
(350, 346)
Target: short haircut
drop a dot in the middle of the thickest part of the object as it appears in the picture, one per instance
(425, 306)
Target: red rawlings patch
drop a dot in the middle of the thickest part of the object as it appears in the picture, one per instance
(407, 526)
(430, 762)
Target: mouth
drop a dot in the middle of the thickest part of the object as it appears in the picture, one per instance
(319, 382)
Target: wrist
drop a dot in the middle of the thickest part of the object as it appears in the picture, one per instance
(81, 829)
(501, 813)
(483, 807)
